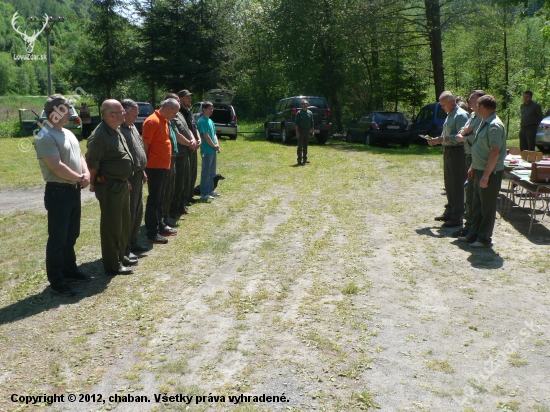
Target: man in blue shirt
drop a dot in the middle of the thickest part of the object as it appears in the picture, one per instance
(209, 149)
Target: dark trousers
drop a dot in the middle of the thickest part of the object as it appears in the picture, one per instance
(136, 208)
(114, 226)
(182, 172)
(303, 142)
(156, 181)
(453, 173)
(64, 210)
(469, 194)
(169, 190)
(484, 207)
(527, 137)
(193, 171)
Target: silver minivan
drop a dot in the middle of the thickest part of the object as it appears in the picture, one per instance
(224, 116)
(543, 135)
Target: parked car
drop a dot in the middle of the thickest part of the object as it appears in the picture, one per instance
(429, 122)
(145, 110)
(280, 121)
(543, 135)
(74, 125)
(380, 128)
(224, 116)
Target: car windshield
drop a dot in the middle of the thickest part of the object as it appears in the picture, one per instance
(318, 102)
(391, 117)
(145, 109)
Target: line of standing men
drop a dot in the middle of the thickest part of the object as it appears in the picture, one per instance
(117, 164)
(474, 147)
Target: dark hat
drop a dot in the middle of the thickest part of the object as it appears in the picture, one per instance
(184, 92)
(56, 100)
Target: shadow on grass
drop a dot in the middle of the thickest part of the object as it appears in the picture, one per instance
(520, 219)
(414, 149)
(485, 258)
(46, 300)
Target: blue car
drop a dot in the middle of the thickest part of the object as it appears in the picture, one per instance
(429, 122)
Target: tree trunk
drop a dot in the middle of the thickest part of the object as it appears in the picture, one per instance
(506, 63)
(433, 20)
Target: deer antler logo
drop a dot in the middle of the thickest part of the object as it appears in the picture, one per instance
(29, 40)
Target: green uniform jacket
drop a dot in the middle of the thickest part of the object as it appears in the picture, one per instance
(474, 120)
(455, 121)
(108, 153)
(304, 120)
(490, 133)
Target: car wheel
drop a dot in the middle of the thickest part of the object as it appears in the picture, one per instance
(405, 145)
(285, 138)
(544, 149)
(232, 137)
(268, 134)
(349, 138)
(368, 141)
(322, 138)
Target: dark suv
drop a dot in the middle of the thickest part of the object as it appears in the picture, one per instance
(281, 120)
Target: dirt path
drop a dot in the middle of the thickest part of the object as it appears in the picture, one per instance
(322, 285)
(32, 199)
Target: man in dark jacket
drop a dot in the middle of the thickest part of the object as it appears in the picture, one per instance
(304, 129)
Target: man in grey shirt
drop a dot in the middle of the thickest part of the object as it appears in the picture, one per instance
(135, 144)
(65, 172)
(454, 159)
(531, 115)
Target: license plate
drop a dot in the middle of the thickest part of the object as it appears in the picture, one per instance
(391, 126)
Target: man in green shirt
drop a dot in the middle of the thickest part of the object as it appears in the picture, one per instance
(531, 115)
(488, 152)
(304, 129)
(111, 164)
(466, 135)
(453, 160)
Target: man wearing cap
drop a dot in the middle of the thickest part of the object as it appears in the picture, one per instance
(111, 163)
(304, 129)
(65, 172)
(158, 148)
(185, 145)
(186, 98)
(135, 144)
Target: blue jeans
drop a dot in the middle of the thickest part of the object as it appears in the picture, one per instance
(207, 174)
(64, 210)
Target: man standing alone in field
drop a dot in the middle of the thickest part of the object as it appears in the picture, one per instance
(304, 129)
(65, 172)
(531, 115)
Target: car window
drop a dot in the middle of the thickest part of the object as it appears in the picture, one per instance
(290, 104)
(196, 108)
(391, 116)
(145, 109)
(441, 113)
(281, 104)
(318, 102)
(426, 113)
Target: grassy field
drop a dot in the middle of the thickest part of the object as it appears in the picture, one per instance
(328, 283)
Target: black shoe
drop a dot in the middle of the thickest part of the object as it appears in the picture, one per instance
(453, 223)
(77, 277)
(138, 248)
(460, 232)
(158, 239)
(442, 218)
(129, 262)
(123, 270)
(63, 290)
(168, 232)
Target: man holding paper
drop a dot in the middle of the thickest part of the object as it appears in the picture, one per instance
(453, 160)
